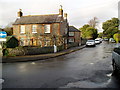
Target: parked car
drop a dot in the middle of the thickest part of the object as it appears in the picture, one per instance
(90, 43)
(106, 39)
(116, 61)
(111, 40)
(100, 39)
(97, 41)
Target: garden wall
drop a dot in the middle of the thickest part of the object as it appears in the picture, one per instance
(22, 51)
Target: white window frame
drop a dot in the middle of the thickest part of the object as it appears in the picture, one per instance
(34, 28)
(47, 28)
(22, 29)
(71, 33)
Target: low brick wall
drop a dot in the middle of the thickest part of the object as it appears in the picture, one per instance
(21, 51)
(72, 45)
(60, 48)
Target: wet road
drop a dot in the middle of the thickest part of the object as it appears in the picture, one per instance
(86, 68)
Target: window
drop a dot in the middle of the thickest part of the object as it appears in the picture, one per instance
(34, 28)
(71, 40)
(22, 42)
(47, 28)
(66, 30)
(71, 33)
(22, 29)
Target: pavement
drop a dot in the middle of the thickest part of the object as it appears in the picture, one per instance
(39, 57)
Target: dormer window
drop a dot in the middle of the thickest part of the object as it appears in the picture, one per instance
(22, 29)
(34, 28)
(47, 28)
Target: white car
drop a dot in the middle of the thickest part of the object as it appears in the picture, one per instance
(111, 40)
(90, 43)
(97, 41)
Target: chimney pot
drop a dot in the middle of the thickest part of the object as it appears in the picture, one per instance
(20, 14)
(61, 11)
(65, 15)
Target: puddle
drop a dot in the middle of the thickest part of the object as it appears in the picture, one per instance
(91, 63)
(109, 75)
(83, 84)
(33, 63)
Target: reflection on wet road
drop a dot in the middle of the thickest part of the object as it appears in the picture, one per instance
(86, 68)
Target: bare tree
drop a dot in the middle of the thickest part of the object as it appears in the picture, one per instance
(93, 22)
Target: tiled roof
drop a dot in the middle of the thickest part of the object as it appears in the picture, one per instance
(73, 29)
(41, 19)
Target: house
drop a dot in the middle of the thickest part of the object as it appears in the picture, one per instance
(74, 35)
(41, 30)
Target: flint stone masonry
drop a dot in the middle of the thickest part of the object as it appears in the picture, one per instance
(29, 51)
(22, 51)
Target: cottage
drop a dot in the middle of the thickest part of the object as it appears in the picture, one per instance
(41, 30)
(74, 35)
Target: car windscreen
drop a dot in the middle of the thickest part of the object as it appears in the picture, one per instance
(90, 41)
(117, 50)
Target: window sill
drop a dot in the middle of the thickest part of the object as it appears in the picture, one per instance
(22, 33)
(46, 33)
(34, 32)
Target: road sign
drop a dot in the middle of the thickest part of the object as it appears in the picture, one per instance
(3, 34)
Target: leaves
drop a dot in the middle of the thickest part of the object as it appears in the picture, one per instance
(116, 37)
(110, 27)
(88, 32)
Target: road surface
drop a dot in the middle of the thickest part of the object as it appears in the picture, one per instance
(87, 68)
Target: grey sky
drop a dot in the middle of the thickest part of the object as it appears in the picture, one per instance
(79, 11)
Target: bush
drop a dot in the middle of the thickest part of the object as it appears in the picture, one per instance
(116, 37)
(5, 52)
(11, 42)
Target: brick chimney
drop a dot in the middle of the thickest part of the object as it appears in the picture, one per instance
(65, 16)
(61, 11)
(20, 14)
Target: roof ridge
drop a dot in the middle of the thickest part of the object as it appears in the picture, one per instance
(40, 15)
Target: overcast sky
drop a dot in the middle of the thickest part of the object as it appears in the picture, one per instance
(79, 11)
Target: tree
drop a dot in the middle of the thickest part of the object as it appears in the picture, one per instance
(110, 27)
(8, 30)
(93, 22)
(83, 30)
(116, 37)
(88, 32)
(91, 33)
(100, 35)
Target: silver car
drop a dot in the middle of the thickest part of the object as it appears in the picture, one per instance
(116, 61)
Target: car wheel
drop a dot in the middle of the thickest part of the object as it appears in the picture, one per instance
(115, 71)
